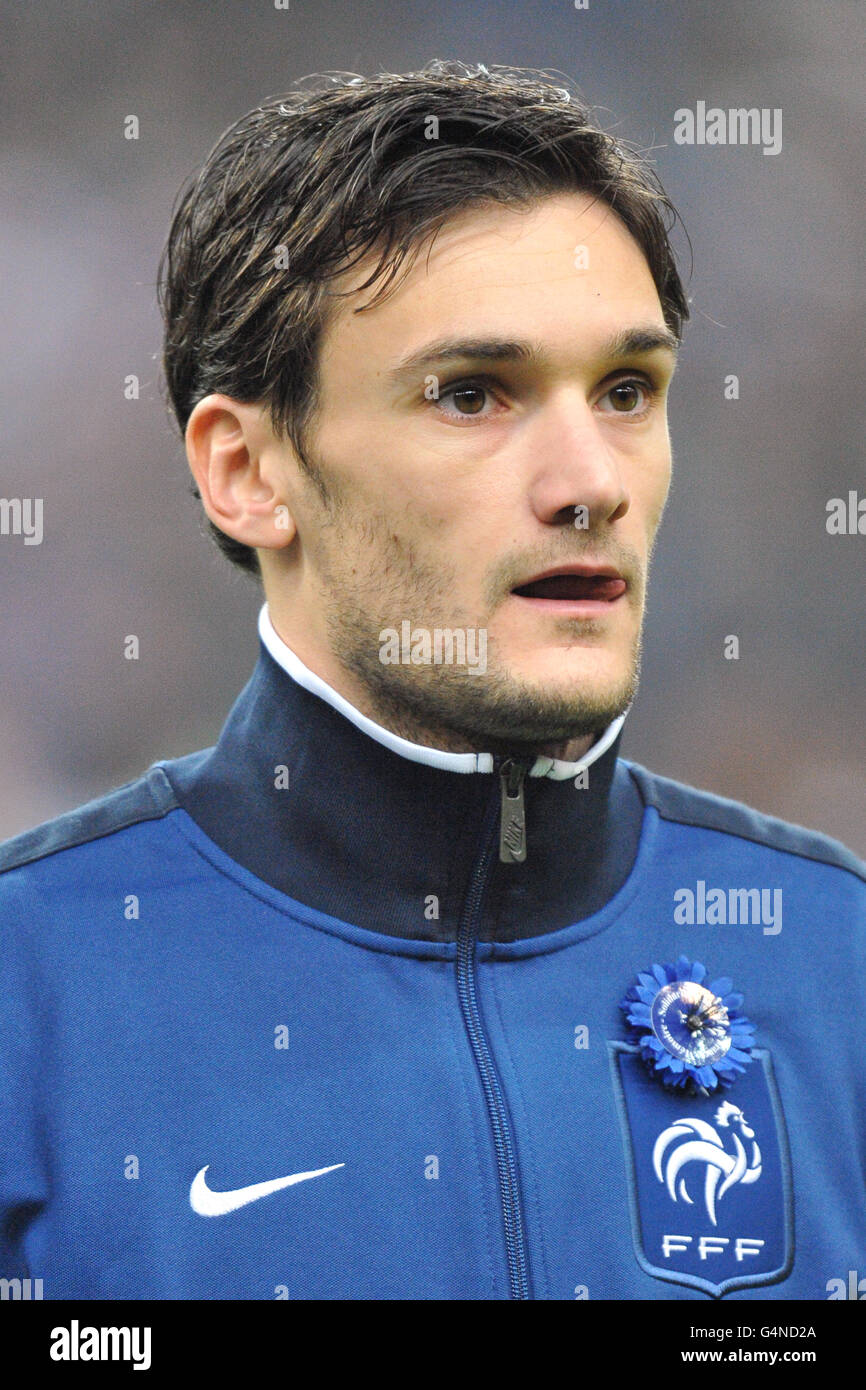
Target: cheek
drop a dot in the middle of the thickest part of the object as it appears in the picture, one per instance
(651, 489)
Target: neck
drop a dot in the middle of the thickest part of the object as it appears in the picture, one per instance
(311, 796)
(385, 707)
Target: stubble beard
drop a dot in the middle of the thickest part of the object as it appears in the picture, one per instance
(446, 706)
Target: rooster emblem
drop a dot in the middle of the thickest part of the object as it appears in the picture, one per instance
(696, 1141)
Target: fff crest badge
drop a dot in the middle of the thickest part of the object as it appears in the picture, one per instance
(704, 1133)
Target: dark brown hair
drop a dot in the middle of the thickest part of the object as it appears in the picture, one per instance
(307, 184)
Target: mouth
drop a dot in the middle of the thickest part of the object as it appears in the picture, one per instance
(588, 586)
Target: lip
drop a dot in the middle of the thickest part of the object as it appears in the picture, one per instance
(579, 567)
(571, 608)
(578, 607)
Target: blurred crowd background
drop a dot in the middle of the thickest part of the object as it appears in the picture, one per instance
(777, 293)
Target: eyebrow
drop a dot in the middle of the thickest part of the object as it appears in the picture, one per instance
(627, 343)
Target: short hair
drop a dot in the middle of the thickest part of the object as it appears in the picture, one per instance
(308, 183)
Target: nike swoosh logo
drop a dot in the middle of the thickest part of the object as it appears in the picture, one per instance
(206, 1202)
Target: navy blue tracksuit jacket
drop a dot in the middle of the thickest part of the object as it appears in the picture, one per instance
(278, 1021)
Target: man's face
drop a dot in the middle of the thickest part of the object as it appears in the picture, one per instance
(455, 475)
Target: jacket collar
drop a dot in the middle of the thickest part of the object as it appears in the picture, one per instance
(340, 814)
(418, 752)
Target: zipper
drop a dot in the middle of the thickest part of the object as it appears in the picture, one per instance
(512, 813)
(511, 775)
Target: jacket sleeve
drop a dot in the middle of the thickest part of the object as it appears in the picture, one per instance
(24, 1011)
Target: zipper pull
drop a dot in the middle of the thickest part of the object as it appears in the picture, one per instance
(512, 820)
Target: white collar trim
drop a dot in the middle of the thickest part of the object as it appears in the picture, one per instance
(555, 768)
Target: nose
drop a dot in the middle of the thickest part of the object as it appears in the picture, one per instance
(573, 466)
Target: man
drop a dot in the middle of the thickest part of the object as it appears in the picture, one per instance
(411, 987)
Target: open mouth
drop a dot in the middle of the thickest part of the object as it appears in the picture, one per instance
(575, 588)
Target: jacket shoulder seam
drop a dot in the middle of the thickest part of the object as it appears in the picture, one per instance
(682, 804)
(148, 797)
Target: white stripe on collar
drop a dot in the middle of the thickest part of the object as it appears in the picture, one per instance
(555, 768)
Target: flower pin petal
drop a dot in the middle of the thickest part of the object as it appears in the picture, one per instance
(691, 1034)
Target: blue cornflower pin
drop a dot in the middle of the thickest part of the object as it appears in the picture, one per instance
(691, 1034)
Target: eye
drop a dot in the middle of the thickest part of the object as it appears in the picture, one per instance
(468, 399)
(471, 399)
(631, 396)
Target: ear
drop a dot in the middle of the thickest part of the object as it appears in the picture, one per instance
(232, 454)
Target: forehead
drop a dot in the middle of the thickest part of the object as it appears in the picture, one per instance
(565, 267)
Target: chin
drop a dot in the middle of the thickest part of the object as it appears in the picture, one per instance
(591, 670)
(597, 690)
